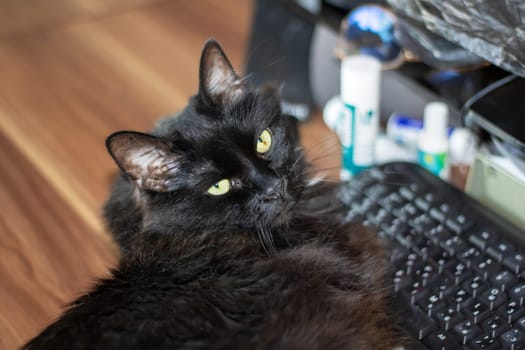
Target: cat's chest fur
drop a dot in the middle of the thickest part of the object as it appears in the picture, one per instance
(224, 292)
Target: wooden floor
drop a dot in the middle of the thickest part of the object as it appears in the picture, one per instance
(69, 76)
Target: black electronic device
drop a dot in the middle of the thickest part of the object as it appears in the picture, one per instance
(499, 109)
(279, 51)
(457, 268)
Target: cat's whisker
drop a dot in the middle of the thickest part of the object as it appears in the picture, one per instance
(326, 169)
(329, 140)
(328, 157)
(246, 77)
(325, 155)
(266, 240)
(331, 181)
(274, 62)
(328, 149)
(297, 162)
(253, 51)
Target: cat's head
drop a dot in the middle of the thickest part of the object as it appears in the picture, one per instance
(229, 160)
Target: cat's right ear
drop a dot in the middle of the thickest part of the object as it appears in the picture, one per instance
(151, 162)
(219, 85)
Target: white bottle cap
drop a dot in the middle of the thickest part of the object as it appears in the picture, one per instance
(360, 81)
(462, 146)
(435, 121)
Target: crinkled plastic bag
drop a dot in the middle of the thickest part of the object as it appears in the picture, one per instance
(492, 29)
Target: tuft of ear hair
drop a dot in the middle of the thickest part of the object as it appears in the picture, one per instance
(151, 162)
(218, 83)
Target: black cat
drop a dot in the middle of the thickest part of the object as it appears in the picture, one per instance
(227, 244)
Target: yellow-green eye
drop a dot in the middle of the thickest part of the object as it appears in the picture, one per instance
(220, 188)
(264, 142)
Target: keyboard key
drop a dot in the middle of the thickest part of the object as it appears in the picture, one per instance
(448, 209)
(407, 193)
(392, 201)
(413, 262)
(431, 304)
(475, 286)
(493, 298)
(415, 240)
(361, 182)
(380, 218)
(418, 323)
(445, 287)
(396, 228)
(429, 276)
(407, 212)
(513, 339)
(349, 196)
(495, 325)
(441, 341)
(517, 293)
(476, 312)
(416, 292)
(500, 250)
(378, 191)
(469, 255)
(460, 299)
(486, 267)
(511, 310)
(467, 330)
(459, 272)
(515, 262)
(503, 279)
(448, 317)
(482, 239)
(423, 223)
(454, 245)
(375, 174)
(366, 207)
(399, 255)
(521, 323)
(433, 309)
(402, 280)
(484, 342)
(437, 214)
(402, 240)
(354, 216)
(438, 234)
(421, 204)
(459, 224)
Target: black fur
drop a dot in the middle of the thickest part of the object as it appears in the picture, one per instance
(267, 265)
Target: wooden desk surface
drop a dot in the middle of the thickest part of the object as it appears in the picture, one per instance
(69, 76)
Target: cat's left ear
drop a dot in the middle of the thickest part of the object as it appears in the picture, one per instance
(218, 82)
(151, 162)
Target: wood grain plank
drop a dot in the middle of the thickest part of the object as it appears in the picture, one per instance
(36, 16)
(48, 255)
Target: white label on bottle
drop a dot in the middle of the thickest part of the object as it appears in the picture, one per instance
(344, 130)
(366, 127)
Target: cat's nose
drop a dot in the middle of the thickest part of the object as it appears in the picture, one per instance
(274, 191)
(271, 196)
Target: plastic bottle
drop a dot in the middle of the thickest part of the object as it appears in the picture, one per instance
(360, 82)
(463, 146)
(433, 141)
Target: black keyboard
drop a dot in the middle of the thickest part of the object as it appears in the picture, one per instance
(458, 269)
